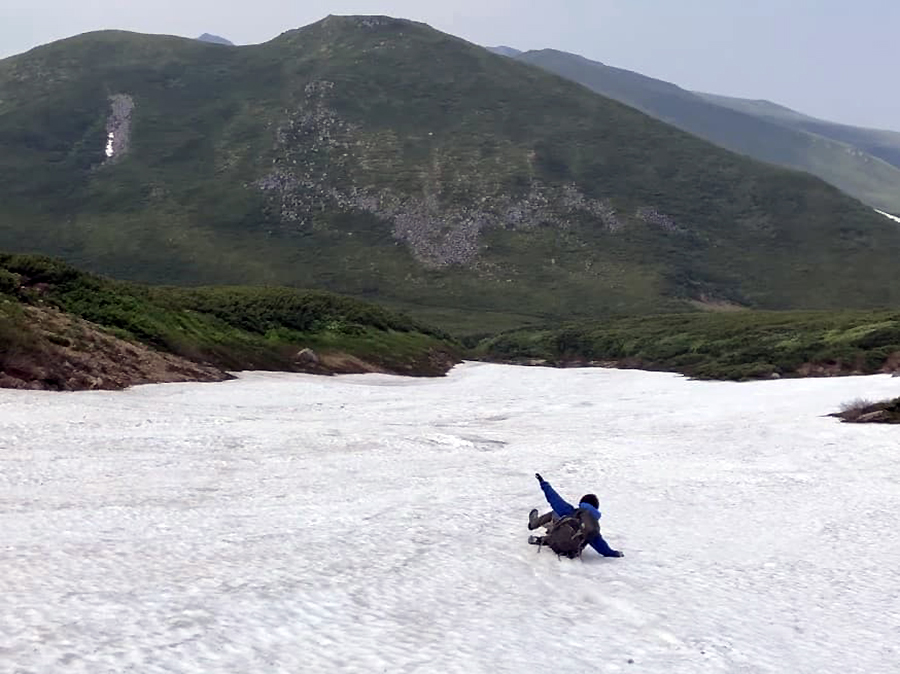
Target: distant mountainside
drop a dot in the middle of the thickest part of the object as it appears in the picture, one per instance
(379, 158)
(757, 108)
(505, 51)
(215, 39)
(862, 162)
(878, 143)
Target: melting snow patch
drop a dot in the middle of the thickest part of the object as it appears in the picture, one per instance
(889, 216)
(118, 126)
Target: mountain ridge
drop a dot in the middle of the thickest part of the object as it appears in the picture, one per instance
(868, 170)
(215, 39)
(503, 50)
(881, 143)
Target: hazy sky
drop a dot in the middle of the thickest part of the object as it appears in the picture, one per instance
(836, 59)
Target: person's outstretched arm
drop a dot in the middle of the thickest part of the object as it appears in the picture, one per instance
(559, 505)
(603, 548)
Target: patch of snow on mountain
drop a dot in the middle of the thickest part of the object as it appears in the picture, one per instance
(888, 215)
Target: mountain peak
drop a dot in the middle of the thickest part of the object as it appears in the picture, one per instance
(215, 39)
(511, 52)
(350, 24)
(559, 53)
(364, 21)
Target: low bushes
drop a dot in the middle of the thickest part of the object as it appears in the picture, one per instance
(736, 346)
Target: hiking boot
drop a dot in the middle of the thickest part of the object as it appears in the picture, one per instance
(532, 520)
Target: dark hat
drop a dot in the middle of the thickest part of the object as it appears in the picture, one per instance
(592, 499)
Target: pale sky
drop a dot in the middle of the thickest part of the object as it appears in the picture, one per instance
(829, 58)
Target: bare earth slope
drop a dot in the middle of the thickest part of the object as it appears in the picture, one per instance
(65, 353)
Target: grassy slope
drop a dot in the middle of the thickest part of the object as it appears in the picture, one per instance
(737, 345)
(401, 113)
(230, 328)
(844, 157)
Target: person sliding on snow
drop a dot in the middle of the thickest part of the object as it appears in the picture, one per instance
(569, 530)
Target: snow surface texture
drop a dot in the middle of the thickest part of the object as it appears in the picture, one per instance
(288, 523)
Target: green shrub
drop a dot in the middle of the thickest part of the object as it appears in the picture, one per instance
(41, 269)
(9, 282)
(744, 345)
(231, 327)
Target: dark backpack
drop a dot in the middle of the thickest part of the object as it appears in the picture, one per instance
(570, 534)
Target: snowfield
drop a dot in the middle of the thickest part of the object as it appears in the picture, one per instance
(289, 523)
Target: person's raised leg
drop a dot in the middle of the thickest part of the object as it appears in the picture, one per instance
(535, 521)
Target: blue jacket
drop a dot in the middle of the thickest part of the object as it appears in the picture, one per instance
(562, 508)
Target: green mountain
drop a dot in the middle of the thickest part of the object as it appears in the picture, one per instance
(861, 162)
(379, 158)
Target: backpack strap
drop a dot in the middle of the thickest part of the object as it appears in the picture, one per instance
(590, 527)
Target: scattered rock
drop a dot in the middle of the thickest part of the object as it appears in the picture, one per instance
(827, 369)
(877, 417)
(307, 357)
(326, 162)
(6, 381)
(652, 216)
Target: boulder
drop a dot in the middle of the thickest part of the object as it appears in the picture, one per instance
(306, 357)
